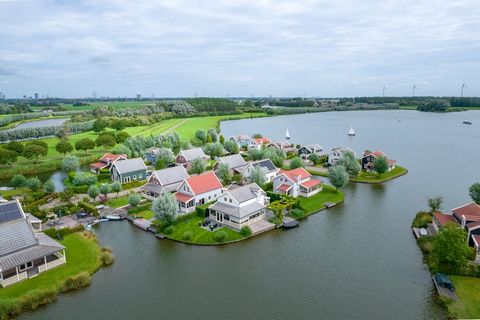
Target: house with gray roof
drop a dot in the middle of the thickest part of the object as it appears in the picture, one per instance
(305, 151)
(236, 164)
(129, 170)
(267, 167)
(239, 206)
(23, 253)
(185, 157)
(165, 180)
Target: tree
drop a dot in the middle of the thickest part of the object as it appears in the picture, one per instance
(338, 176)
(165, 208)
(18, 181)
(37, 143)
(435, 204)
(201, 135)
(296, 163)
(121, 136)
(212, 133)
(315, 158)
(64, 147)
(104, 189)
(122, 149)
(224, 173)
(437, 105)
(474, 192)
(85, 144)
(116, 187)
(7, 157)
(198, 165)
(257, 136)
(33, 183)
(99, 125)
(351, 164)
(49, 186)
(450, 247)
(213, 149)
(380, 165)
(209, 139)
(34, 151)
(93, 192)
(15, 146)
(258, 176)
(118, 124)
(70, 163)
(231, 146)
(165, 155)
(221, 139)
(62, 133)
(106, 139)
(134, 199)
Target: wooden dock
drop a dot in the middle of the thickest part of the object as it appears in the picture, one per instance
(444, 291)
(329, 205)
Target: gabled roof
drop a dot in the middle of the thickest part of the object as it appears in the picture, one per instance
(171, 175)
(341, 150)
(153, 150)
(239, 212)
(130, 165)
(293, 174)
(284, 187)
(476, 239)
(473, 225)
(193, 153)
(310, 183)
(263, 140)
(470, 211)
(313, 147)
(233, 161)
(244, 193)
(204, 182)
(112, 157)
(444, 218)
(376, 154)
(98, 165)
(266, 164)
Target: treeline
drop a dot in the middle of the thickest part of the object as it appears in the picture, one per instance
(213, 105)
(15, 108)
(42, 132)
(291, 103)
(466, 102)
(29, 116)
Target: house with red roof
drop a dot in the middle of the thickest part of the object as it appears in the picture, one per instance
(257, 143)
(441, 219)
(368, 160)
(296, 182)
(106, 161)
(198, 190)
(468, 216)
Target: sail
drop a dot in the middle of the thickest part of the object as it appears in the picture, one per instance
(351, 132)
(287, 134)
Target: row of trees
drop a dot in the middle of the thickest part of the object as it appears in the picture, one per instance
(33, 183)
(42, 132)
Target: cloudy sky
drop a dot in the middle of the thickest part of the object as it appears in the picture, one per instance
(178, 48)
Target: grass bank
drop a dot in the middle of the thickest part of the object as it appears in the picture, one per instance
(468, 290)
(84, 257)
(373, 177)
(316, 203)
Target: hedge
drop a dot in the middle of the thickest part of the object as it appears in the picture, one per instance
(90, 208)
(60, 233)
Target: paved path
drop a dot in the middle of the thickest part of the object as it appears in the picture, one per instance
(175, 126)
(77, 198)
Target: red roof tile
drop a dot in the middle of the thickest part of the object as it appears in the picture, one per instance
(98, 165)
(293, 174)
(205, 182)
(473, 225)
(263, 140)
(391, 162)
(311, 183)
(183, 197)
(444, 218)
(471, 212)
(284, 187)
(112, 157)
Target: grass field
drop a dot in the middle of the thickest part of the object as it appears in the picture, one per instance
(118, 202)
(373, 177)
(468, 290)
(315, 203)
(113, 104)
(82, 255)
(199, 235)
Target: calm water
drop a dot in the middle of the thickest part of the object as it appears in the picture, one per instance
(40, 123)
(356, 261)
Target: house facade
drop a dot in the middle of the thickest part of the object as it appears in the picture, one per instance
(296, 182)
(129, 170)
(151, 155)
(198, 190)
(257, 143)
(241, 140)
(165, 180)
(236, 164)
(239, 207)
(267, 167)
(368, 160)
(106, 161)
(305, 151)
(468, 217)
(185, 157)
(335, 154)
(23, 253)
(440, 220)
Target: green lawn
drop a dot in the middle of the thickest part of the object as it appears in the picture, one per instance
(468, 290)
(146, 214)
(118, 202)
(315, 203)
(200, 236)
(373, 177)
(82, 255)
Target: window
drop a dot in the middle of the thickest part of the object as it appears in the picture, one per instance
(134, 177)
(139, 176)
(230, 200)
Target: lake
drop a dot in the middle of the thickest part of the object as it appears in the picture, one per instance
(356, 261)
(40, 123)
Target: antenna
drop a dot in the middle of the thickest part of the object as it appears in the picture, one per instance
(414, 87)
(463, 86)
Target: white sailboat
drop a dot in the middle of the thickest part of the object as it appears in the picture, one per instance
(351, 132)
(287, 135)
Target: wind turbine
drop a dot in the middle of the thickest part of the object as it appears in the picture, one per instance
(414, 87)
(384, 87)
(463, 86)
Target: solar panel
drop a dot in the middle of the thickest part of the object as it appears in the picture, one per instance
(9, 211)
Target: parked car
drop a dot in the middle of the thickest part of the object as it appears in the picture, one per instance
(444, 281)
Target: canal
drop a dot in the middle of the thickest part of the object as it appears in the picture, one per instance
(356, 261)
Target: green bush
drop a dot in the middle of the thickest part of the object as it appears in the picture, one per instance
(138, 209)
(297, 213)
(246, 231)
(201, 211)
(220, 236)
(78, 189)
(37, 298)
(168, 230)
(187, 236)
(275, 221)
(90, 208)
(60, 233)
(107, 256)
(268, 186)
(273, 196)
(422, 219)
(81, 280)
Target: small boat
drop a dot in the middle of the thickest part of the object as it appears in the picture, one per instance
(112, 217)
(287, 135)
(290, 224)
(89, 227)
(466, 122)
(351, 132)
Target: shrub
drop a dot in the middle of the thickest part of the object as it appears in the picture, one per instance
(140, 208)
(168, 230)
(201, 211)
(422, 219)
(106, 256)
(81, 280)
(246, 231)
(37, 298)
(60, 233)
(88, 207)
(187, 236)
(220, 236)
(18, 180)
(84, 179)
(297, 213)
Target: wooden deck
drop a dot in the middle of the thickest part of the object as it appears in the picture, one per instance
(444, 291)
